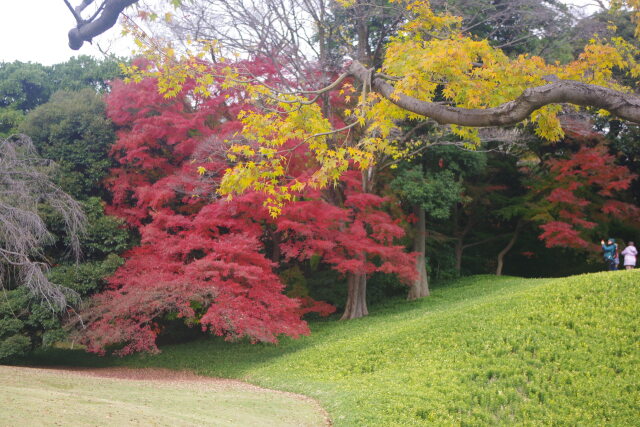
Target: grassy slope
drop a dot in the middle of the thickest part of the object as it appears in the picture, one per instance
(485, 350)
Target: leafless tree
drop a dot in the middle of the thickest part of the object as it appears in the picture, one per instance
(508, 24)
(275, 28)
(25, 186)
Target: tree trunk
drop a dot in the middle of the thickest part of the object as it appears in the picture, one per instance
(507, 248)
(420, 287)
(460, 236)
(275, 241)
(362, 29)
(324, 63)
(459, 249)
(356, 306)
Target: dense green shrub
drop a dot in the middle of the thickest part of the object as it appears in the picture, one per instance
(27, 322)
(73, 130)
(70, 128)
(86, 278)
(13, 345)
(24, 86)
(105, 234)
(383, 287)
(327, 285)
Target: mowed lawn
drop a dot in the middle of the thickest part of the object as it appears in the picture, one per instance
(49, 397)
(481, 351)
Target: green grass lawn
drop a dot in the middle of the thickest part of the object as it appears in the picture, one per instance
(480, 351)
(32, 397)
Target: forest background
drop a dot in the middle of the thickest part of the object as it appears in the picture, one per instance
(172, 258)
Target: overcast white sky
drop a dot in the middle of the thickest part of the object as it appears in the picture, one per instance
(36, 31)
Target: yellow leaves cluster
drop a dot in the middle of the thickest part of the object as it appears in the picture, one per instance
(270, 137)
(285, 122)
(469, 73)
(448, 68)
(431, 58)
(425, 21)
(172, 68)
(547, 122)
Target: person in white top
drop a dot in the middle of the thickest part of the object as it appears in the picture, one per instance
(630, 253)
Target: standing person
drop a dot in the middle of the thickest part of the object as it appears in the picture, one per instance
(610, 253)
(630, 253)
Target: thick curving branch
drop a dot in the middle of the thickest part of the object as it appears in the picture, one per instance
(87, 30)
(624, 105)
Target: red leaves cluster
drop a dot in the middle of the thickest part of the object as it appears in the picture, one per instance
(156, 138)
(592, 166)
(203, 259)
(581, 192)
(356, 237)
(185, 263)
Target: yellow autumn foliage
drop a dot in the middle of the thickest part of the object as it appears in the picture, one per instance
(429, 59)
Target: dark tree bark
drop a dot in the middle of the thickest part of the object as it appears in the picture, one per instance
(420, 288)
(356, 305)
(507, 248)
(624, 105)
(86, 30)
(274, 236)
(459, 249)
(460, 236)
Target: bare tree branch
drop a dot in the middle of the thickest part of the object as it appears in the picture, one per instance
(25, 187)
(74, 12)
(98, 24)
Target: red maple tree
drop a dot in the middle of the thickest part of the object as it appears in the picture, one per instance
(191, 262)
(202, 258)
(354, 237)
(580, 192)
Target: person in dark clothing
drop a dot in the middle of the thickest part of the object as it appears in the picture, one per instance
(610, 253)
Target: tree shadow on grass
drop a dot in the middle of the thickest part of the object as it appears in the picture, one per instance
(213, 356)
